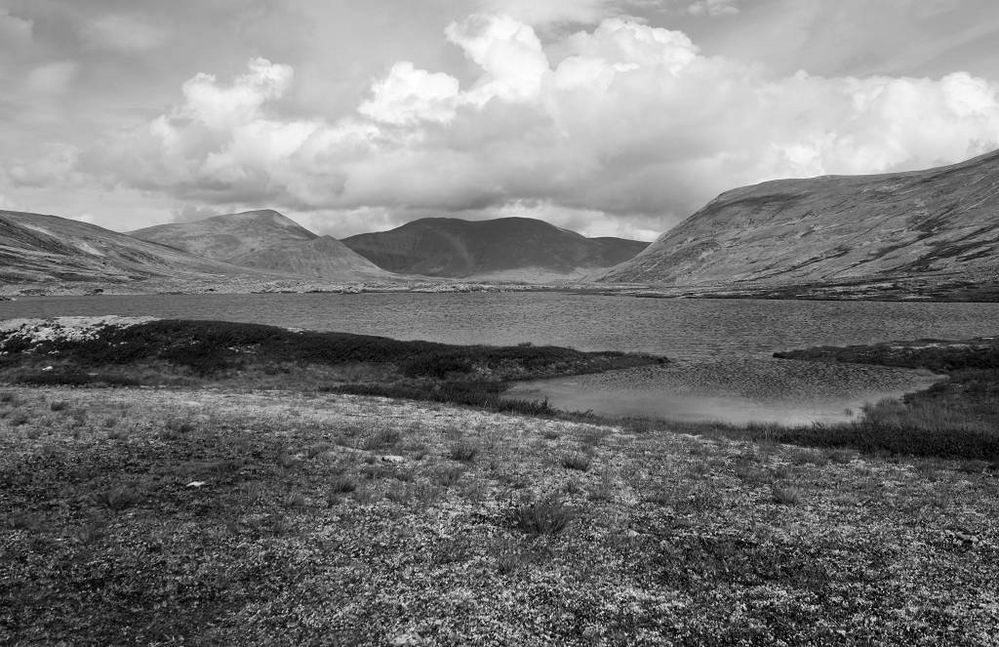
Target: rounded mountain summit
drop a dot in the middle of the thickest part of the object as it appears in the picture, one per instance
(503, 248)
(264, 240)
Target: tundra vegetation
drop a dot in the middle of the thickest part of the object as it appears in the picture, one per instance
(239, 507)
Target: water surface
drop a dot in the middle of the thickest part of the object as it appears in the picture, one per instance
(677, 328)
(723, 346)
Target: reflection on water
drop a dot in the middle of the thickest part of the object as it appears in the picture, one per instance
(686, 407)
(724, 345)
(739, 392)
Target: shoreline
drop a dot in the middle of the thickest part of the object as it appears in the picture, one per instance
(126, 352)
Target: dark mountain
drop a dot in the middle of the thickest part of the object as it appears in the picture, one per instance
(37, 248)
(265, 240)
(926, 227)
(514, 247)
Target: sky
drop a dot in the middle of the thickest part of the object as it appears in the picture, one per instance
(609, 117)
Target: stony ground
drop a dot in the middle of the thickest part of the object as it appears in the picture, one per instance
(167, 517)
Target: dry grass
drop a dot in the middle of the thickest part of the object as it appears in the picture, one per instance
(221, 517)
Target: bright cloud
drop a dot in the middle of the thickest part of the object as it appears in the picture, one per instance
(509, 53)
(631, 120)
(408, 95)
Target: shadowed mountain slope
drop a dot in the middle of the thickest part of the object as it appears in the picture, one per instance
(40, 248)
(940, 224)
(265, 240)
(451, 247)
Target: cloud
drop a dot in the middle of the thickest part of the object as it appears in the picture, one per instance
(15, 32)
(408, 95)
(544, 12)
(509, 53)
(121, 32)
(632, 121)
(53, 165)
(713, 8)
(52, 78)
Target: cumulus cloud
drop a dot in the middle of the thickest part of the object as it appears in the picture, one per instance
(408, 95)
(632, 121)
(509, 53)
(54, 165)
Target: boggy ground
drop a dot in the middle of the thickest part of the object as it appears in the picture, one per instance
(213, 516)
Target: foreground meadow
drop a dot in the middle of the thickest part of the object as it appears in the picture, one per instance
(234, 516)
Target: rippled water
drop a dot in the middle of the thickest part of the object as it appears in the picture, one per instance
(678, 328)
(724, 347)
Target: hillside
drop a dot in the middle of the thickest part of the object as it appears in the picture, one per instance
(38, 248)
(322, 257)
(265, 240)
(450, 247)
(927, 228)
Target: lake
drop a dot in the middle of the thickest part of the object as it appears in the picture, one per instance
(707, 336)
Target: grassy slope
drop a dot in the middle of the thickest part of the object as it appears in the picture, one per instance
(487, 529)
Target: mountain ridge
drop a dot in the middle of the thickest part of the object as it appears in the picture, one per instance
(44, 248)
(839, 228)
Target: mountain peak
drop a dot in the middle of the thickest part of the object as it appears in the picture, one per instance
(267, 240)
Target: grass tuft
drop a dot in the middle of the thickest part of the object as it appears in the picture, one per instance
(463, 451)
(785, 495)
(548, 517)
(576, 461)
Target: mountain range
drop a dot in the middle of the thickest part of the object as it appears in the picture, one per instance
(500, 248)
(901, 235)
(932, 227)
(37, 248)
(264, 245)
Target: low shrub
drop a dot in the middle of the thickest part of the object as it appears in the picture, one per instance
(785, 495)
(576, 461)
(118, 499)
(548, 517)
(383, 439)
(463, 451)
